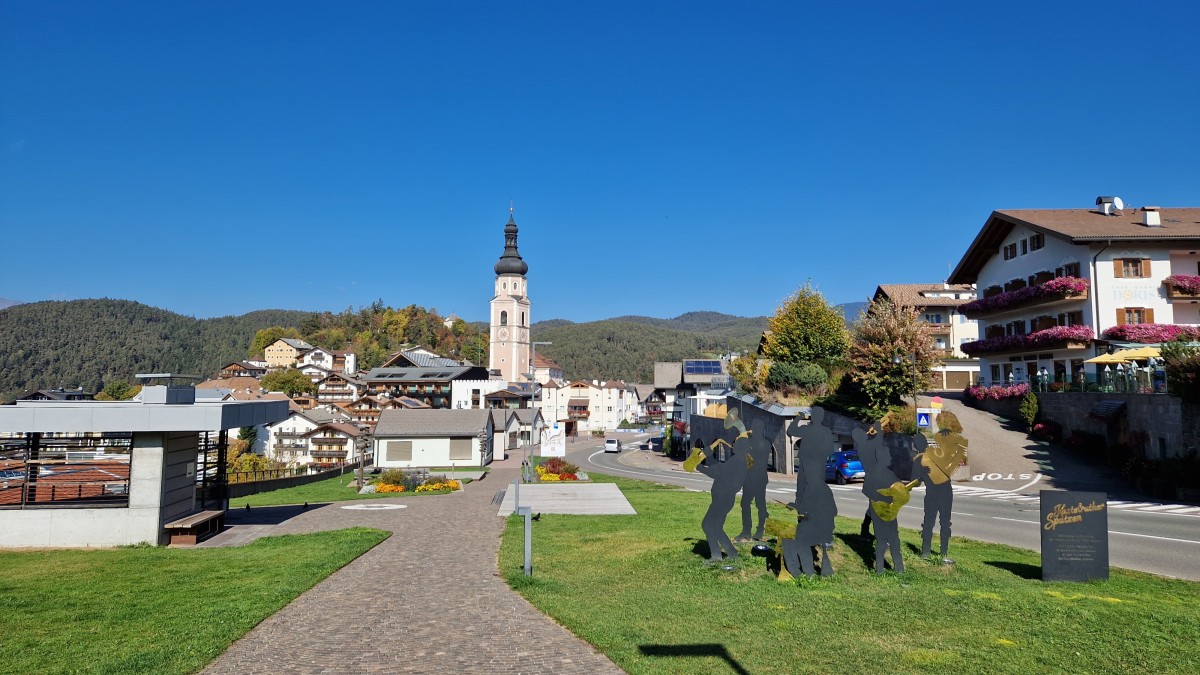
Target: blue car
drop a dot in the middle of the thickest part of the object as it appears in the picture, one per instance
(843, 467)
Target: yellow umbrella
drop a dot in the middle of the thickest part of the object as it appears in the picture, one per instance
(1107, 358)
(1140, 353)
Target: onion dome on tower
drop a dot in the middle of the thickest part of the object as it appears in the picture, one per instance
(510, 261)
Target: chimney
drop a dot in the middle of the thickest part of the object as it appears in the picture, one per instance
(1151, 216)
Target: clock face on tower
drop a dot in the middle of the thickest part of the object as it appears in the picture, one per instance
(502, 333)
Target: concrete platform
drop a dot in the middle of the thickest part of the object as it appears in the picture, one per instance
(585, 499)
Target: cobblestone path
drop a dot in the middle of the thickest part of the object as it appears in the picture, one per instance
(427, 600)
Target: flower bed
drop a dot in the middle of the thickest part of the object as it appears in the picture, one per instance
(996, 392)
(1037, 340)
(557, 469)
(1057, 288)
(396, 481)
(1188, 284)
(1150, 333)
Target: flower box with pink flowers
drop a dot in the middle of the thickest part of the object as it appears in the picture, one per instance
(1053, 290)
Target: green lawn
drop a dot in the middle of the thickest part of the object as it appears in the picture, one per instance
(636, 588)
(335, 489)
(154, 610)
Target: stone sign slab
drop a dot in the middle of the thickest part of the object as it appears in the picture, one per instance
(1074, 528)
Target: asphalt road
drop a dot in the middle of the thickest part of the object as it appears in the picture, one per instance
(1143, 535)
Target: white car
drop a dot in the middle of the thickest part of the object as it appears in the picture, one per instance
(612, 445)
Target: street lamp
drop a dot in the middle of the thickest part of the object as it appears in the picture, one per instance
(533, 358)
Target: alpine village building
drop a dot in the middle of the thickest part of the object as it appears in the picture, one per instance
(1059, 286)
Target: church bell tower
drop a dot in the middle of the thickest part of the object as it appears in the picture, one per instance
(508, 356)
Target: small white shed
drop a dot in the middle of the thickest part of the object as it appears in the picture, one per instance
(405, 439)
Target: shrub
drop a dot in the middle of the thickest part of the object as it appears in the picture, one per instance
(947, 421)
(1047, 431)
(995, 392)
(783, 375)
(811, 376)
(392, 477)
(1029, 408)
(559, 465)
(900, 420)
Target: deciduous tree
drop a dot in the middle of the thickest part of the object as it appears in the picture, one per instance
(118, 390)
(806, 328)
(883, 333)
(290, 381)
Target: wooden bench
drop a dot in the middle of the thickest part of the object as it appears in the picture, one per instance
(190, 529)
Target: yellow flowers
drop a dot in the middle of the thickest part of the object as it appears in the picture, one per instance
(384, 487)
(437, 487)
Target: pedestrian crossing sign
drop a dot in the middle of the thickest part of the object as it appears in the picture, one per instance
(923, 421)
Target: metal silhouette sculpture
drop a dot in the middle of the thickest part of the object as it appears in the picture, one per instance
(815, 507)
(885, 491)
(933, 468)
(726, 465)
(754, 488)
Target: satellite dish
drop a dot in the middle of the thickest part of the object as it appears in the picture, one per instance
(1118, 204)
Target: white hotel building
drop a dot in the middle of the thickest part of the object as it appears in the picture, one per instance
(1126, 266)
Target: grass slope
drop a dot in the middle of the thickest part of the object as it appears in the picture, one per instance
(334, 489)
(154, 610)
(636, 588)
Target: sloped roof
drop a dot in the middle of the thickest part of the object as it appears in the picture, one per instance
(295, 343)
(432, 422)
(341, 427)
(526, 415)
(916, 295)
(1077, 226)
(399, 375)
(541, 361)
(668, 374)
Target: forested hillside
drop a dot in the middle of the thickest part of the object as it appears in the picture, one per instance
(627, 348)
(91, 342)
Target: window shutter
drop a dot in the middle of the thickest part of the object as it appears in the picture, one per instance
(461, 448)
(1148, 315)
(1145, 267)
(1117, 271)
(399, 451)
(1121, 316)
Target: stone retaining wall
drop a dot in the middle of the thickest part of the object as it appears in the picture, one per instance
(1164, 425)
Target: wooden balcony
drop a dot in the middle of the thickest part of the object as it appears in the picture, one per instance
(1175, 293)
(328, 454)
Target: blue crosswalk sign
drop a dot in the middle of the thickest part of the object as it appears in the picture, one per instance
(923, 420)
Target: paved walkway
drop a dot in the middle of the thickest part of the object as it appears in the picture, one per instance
(427, 600)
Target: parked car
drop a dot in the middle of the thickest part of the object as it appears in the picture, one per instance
(842, 467)
(612, 445)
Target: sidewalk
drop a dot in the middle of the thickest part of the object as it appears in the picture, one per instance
(429, 599)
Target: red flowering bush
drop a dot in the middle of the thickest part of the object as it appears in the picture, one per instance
(996, 392)
(1041, 338)
(1151, 332)
(1185, 283)
(1057, 287)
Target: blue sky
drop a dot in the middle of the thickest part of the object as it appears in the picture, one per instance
(215, 158)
